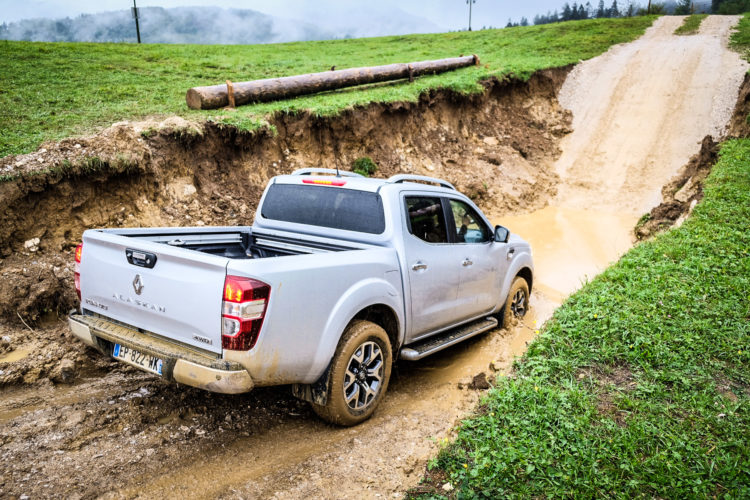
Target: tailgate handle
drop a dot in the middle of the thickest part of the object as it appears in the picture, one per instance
(140, 259)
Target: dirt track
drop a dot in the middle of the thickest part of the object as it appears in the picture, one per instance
(639, 112)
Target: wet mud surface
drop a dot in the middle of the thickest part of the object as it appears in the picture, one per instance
(76, 424)
(128, 434)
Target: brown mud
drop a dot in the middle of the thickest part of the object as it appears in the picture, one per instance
(740, 124)
(76, 424)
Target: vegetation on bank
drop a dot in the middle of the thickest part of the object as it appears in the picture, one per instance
(691, 24)
(740, 39)
(53, 90)
(640, 383)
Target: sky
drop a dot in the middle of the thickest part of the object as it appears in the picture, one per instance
(445, 14)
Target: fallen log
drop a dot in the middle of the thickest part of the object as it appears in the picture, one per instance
(271, 89)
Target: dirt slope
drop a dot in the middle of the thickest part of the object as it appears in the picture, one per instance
(640, 112)
(82, 428)
(498, 147)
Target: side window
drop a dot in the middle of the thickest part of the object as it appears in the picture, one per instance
(469, 226)
(426, 219)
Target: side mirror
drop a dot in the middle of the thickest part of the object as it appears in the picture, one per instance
(501, 234)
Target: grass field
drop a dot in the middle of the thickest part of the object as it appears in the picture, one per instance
(691, 24)
(54, 90)
(740, 40)
(640, 383)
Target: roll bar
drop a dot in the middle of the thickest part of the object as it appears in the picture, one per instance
(330, 171)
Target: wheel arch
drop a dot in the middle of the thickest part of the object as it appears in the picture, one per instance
(386, 318)
(526, 274)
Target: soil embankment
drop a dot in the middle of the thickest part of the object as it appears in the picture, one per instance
(72, 423)
(496, 146)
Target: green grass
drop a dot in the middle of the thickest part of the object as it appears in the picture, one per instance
(691, 24)
(52, 90)
(740, 39)
(639, 386)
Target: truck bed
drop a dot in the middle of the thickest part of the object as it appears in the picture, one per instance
(234, 242)
(171, 280)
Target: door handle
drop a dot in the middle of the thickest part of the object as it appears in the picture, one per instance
(510, 253)
(419, 266)
(467, 262)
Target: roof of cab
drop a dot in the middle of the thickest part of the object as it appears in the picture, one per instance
(351, 180)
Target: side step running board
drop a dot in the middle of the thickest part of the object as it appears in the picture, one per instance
(447, 339)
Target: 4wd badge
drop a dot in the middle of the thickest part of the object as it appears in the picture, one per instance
(138, 284)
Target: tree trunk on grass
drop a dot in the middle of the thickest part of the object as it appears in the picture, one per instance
(216, 96)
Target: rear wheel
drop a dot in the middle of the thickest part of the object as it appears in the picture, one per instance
(517, 303)
(359, 375)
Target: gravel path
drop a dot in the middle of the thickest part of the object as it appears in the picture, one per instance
(640, 112)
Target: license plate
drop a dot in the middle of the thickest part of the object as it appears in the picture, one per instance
(138, 359)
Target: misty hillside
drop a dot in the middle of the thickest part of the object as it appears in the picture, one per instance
(211, 25)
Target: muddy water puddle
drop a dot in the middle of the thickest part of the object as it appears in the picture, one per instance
(15, 402)
(13, 356)
(571, 246)
(295, 454)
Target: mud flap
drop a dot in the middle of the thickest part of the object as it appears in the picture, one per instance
(317, 392)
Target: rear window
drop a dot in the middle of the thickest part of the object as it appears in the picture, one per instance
(324, 206)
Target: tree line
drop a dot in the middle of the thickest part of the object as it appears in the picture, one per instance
(730, 6)
(577, 11)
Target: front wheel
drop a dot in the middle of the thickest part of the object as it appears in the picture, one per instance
(359, 375)
(517, 303)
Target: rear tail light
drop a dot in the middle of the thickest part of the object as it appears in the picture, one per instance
(243, 310)
(77, 270)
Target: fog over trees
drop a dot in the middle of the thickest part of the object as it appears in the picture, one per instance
(207, 25)
(215, 25)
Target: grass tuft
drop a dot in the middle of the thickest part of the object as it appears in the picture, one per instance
(691, 25)
(364, 166)
(740, 39)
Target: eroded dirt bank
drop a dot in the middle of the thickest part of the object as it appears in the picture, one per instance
(496, 146)
(73, 427)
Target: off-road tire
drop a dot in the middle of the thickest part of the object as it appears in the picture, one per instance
(518, 290)
(358, 335)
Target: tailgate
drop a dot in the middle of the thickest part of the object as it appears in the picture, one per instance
(178, 298)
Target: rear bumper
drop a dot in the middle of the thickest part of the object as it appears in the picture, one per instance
(180, 364)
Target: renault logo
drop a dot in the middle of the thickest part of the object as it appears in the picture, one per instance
(138, 284)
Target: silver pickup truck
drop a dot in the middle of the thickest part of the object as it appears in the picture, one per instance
(338, 276)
